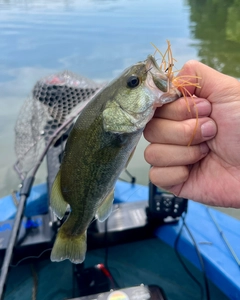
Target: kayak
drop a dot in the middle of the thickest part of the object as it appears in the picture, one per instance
(211, 230)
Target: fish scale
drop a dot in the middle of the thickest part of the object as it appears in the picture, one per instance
(99, 147)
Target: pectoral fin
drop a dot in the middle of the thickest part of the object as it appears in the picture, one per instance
(130, 157)
(57, 202)
(105, 208)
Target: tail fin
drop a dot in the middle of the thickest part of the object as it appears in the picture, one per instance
(69, 247)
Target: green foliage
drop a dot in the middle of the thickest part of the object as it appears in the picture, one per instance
(233, 22)
(215, 29)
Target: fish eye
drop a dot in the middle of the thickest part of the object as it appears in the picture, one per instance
(133, 81)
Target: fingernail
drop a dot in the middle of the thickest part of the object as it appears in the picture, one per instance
(203, 108)
(208, 129)
(204, 148)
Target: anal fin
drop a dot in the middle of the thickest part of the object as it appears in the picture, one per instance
(57, 202)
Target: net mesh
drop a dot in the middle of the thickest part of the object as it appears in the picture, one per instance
(53, 101)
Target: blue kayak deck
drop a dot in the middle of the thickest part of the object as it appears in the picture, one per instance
(220, 266)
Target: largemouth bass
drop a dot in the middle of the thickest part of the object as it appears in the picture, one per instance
(99, 147)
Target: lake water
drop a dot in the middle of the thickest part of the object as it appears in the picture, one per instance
(98, 39)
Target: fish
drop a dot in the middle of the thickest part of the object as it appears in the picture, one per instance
(99, 147)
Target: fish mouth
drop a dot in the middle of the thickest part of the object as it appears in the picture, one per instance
(151, 62)
(159, 78)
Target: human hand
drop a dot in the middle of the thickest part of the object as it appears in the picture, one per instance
(208, 171)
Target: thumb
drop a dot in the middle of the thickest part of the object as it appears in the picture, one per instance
(213, 84)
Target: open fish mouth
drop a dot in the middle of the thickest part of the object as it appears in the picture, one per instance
(161, 83)
(152, 63)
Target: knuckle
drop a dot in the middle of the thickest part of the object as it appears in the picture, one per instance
(183, 107)
(147, 154)
(150, 154)
(147, 133)
(194, 154)
(191, 64)
(184, 173)
(187, 132)
(169, 176)
(153, 176)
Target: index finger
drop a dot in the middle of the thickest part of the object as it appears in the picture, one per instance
(178, 110)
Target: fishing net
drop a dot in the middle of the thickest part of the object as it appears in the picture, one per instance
(54, 101)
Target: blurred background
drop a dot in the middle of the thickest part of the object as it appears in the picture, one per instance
(98, 39)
